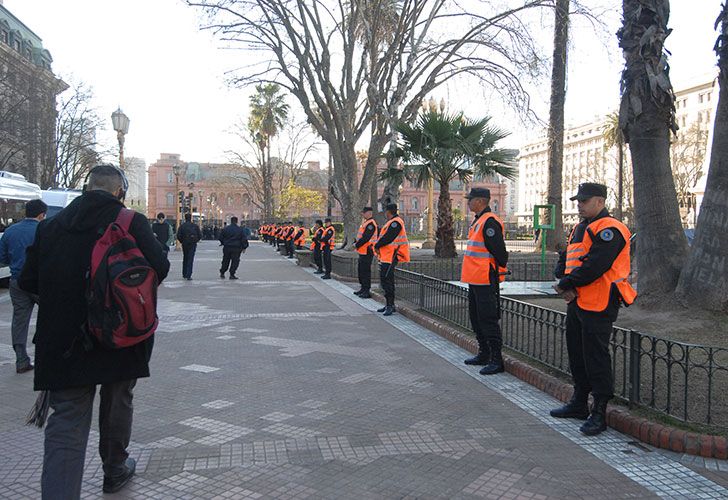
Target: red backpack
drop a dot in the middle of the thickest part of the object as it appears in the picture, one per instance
(122, 288)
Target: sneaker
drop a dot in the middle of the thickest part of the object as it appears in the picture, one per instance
(24, 368)
(114, 484)
(326, 277)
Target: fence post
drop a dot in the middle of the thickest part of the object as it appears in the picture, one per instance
(422, 292)
(635, 346)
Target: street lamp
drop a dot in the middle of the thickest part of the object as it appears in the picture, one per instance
(199, 206)
(176, 171)
(191, 196)
(121, 124)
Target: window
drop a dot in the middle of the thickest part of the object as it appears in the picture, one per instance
(4, 36)
(170, 199)
(16, 45)
(700, 98)
(170, 177)
(495, 206)
(700, 116)
(415, 203)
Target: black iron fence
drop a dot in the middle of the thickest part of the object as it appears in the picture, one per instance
(685, 381)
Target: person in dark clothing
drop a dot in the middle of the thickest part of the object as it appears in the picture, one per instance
(56, 269)
(328, 237)
(289, 240)
(163, 231)
(366, 237)
(592, 275)
(234, 242)
(392, 247)
(484, 260)
(318, 231)
(188, 235)
(13, 244)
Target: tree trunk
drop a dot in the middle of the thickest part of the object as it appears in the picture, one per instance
(556, 121)
(646, 117)
(618, 213)
(445, 236)
(704, 279)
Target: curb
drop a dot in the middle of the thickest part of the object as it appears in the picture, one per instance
(653, 433)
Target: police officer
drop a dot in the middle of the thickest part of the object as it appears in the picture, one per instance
(328, 240)
(484, 266)
(318, 232)
(593, 275)
(364, 244)
(391, 247)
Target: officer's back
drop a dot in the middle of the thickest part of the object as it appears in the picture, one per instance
(233, 236)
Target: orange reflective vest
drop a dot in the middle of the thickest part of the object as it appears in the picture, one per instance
(301, 240)
(595, 296)
(399, 247)
(317, 234)
(478, 262)
(364, 249)
(331, 243)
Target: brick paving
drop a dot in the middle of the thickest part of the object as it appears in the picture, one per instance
(281, 385)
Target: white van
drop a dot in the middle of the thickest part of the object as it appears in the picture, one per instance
(59, 198)
(15, 191)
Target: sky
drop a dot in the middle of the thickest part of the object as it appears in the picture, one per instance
(149, 58)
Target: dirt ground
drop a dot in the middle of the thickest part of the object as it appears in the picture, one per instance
(669, 321)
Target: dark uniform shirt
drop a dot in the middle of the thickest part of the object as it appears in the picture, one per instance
(369, 232)
(388, 237)
(493, 238)
(328, 233)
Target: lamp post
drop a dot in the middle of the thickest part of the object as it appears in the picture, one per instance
(199, 206)
(176, 171)
(121, 124)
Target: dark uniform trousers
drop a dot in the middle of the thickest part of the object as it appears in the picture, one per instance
(317, 257)
(188, 258)
(289, 247)
(327, 259)
(231, 258)
(386, 280)
(587, 340)
(364, 270)
(484, 309)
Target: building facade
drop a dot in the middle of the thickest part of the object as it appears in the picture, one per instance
(28, 90)
(136, 173)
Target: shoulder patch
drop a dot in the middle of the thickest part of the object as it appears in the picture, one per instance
(490, 232)
(394, 224)
(606, 235)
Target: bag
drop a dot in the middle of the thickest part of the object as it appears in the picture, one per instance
(122, 289)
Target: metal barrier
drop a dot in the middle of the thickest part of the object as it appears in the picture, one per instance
(685, 381)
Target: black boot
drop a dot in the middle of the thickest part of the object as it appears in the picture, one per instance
(496, 360)
(597, 421)
(365, 295)
(358, 291)
(318, 271)
(577, 407)
(389, 310)
(326, 276)
(482, 358)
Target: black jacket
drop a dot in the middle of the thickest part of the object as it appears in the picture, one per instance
(189, 233)
(233, 237)
(162, 231)
(55, 268)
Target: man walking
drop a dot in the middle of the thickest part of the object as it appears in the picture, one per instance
(328, 241)
(15, 240)
(188, 234)
(233, 241)
(318, 232)
(484, 265)
(593, 274)
(364, 245)
(163, 231)
(391, 247)
(57, 265)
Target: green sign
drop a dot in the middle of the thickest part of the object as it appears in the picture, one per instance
(544, 216)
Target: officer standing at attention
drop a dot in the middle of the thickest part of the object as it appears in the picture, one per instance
(301, 235)
(364, 244)
(484, 265)
(593, 276)
(328, 240)
(318, 232)
(391, 247)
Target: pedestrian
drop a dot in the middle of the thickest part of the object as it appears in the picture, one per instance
(391, 247)
(318, 232)
(13, 244)
(56, 267)
(299, 240)
(484, 267)
(163, 231)
(328, 241)
(593, 274)
(188, 235)
(234, 242)
(365, 238)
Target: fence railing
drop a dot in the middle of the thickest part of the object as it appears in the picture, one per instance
(685, 381)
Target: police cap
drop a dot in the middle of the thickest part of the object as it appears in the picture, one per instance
(478, 193)
(391, 207)
(589, 190)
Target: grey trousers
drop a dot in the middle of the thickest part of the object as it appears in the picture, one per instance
(23, 303)
(66, 436)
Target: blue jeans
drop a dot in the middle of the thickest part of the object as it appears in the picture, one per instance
(188, 258)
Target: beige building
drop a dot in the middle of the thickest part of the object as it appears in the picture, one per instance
(586, 160)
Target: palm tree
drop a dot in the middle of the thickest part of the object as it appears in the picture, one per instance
(647, 116)
(442, 147)
(268, 112)
(704, 279)
(613, 137)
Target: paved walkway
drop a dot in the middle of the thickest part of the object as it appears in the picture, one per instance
(281, 385)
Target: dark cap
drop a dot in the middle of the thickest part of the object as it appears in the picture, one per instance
(391, 207)
(588, 190)
(478, 193)
(367, 209)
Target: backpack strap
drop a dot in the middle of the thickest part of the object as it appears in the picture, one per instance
(124, 218)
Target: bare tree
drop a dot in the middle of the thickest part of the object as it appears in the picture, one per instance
(13, 120)
(318, 51)
(687, 155)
